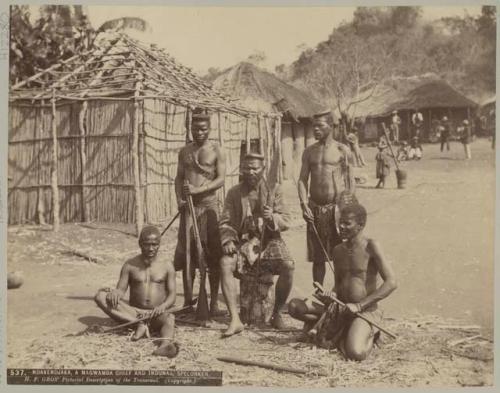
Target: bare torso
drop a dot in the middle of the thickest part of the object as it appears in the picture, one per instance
(148, 284)
(200, 165)
(355, 272)
(323, 160)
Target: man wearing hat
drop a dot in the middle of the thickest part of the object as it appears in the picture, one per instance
(394, 127)
(201, 171)
(444, 130)
(253, 211)
(465, 138)
(326, 163)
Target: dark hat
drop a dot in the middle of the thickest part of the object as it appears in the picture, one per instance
(382, 144)
(332, 119)
(254, 156)
(200, 114)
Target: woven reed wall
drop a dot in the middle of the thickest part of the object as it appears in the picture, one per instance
(104, 190)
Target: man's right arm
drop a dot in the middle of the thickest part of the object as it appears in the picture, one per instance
(179, 181)
(303, 186)
(121, 287)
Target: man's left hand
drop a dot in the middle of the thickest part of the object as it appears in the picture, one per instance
(353, 307)
(267, 213)
(157, 311)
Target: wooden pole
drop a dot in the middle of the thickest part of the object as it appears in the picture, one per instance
(83, 160)
(139, 213)
(261, 142)
(271, 366)
(247, 137)
(53, 170)
(36, 147)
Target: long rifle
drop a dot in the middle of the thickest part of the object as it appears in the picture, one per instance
(170, 223)
(202, 307)
(341, 303)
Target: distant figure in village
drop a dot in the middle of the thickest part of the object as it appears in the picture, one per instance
(417, 121)
(445, 132)
(201, 171)
(416, 151)
(402, 153)
(250, 208)
(152, 292)
(383, 164)
(465, 138)
(394, 127)
(357, 262)
(326, 162)
(356, 154)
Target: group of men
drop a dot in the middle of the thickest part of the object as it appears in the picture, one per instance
(255, 210)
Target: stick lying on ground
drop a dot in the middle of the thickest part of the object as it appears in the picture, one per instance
(245, 362)
(321, 290)
(173, 310)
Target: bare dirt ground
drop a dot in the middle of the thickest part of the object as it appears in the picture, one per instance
(438, 232)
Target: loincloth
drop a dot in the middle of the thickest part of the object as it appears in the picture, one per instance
(324, 221)
(207, 215)
(334, 329)
(274, 256)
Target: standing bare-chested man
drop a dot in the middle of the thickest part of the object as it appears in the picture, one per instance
(152, 292)
(203, 164)
(326, 164)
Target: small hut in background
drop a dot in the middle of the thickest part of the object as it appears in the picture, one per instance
(262, 91)
(433, 96)
(96, 137)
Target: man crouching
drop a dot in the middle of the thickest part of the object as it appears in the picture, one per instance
(152, 292)
(357, 261)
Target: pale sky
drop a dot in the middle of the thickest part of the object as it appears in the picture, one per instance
(203, 37)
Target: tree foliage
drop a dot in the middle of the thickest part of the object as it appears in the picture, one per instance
(381, 42)
(59, 32)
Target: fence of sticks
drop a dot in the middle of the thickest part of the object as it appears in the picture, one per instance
(88, 142)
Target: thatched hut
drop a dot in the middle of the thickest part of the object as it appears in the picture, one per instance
(262, 91)
(96, 137)
(433, 96)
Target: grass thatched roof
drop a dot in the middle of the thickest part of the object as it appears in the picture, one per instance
(425, 91)
(120, 66)
(262, 91)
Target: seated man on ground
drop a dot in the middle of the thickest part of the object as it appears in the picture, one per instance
(152, 292)
(247, 204)
(358, 261)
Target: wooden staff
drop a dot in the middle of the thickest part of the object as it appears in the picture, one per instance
(53, 169)
(366, 319)
(328, 260)
(202, 307)
(246, 362)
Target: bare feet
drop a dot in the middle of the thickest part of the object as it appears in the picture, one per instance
(169, 350)
(141, 331)
(234, 328)
(276, 322)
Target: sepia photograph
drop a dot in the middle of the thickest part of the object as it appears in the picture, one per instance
(250, 196)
